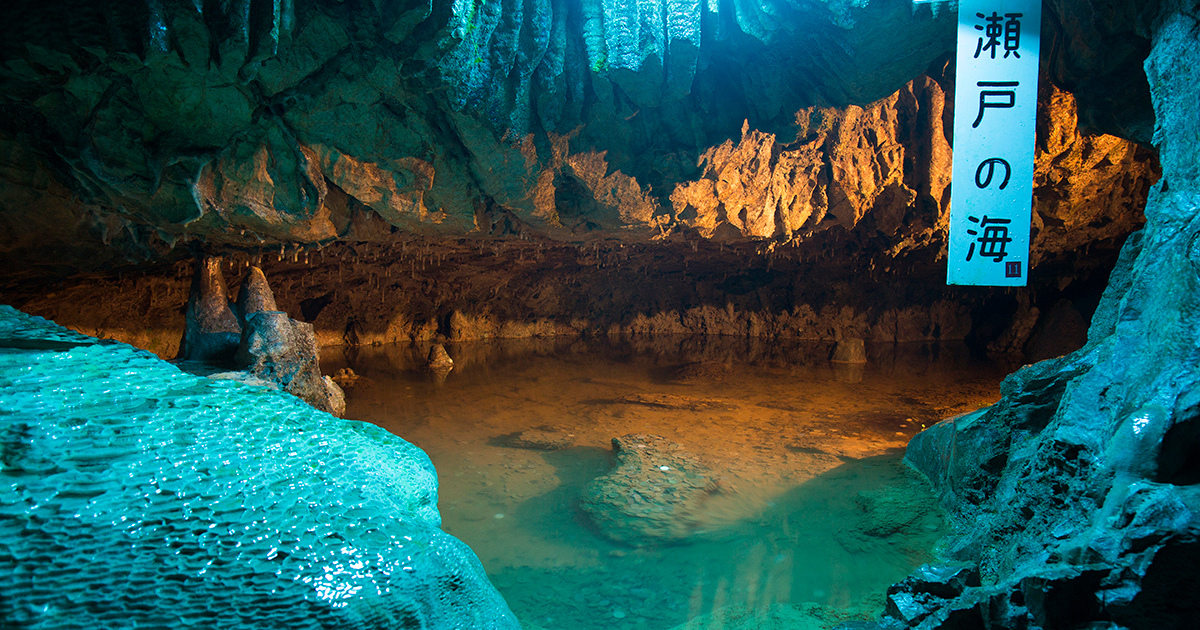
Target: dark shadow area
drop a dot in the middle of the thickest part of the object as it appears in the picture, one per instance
(1167, 600)
(1179, 456)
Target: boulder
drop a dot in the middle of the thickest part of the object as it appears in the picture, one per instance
(654, 495)
(439, 359)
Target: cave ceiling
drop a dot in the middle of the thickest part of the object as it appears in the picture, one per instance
(131, 129)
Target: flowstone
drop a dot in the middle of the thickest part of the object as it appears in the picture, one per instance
(135, 495)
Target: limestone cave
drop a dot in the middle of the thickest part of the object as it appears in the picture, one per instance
(575, 314)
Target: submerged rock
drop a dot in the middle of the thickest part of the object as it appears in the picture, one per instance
(682, 403)
(699, 372)
(347, 379)
(139, 495)
(654, 495)
(540, 439)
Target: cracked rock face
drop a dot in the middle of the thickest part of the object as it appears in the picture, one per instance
(130, 128)
(1077, 492)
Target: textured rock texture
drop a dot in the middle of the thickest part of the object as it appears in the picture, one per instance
(138, 495)
(1077, 493)
(265, 343)
(279, 349)
(654, 495)
(132, 127)
(211, 331)
(483, 170)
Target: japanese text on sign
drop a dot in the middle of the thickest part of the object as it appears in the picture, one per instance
(995, 104)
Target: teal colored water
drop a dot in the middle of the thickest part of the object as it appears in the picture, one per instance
(814, 513)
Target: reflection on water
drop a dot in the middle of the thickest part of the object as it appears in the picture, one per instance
(813, 504)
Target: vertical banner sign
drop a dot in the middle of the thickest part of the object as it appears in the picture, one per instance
(995, 109)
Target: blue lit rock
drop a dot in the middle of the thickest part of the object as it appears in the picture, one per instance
(1077, 495)
(136, 494)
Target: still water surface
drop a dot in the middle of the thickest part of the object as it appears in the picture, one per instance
(814, 504)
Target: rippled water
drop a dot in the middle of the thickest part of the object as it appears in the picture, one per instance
(814, 504)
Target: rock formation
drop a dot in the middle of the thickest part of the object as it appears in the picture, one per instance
(279, 349)
(654, 494)
(752, 155)
(1076, 493)
(261, 340)
(850, 351)
(439, 359)
(211, 332)
(254, 296)
(480, 170)
(136, 494)
(141, 126)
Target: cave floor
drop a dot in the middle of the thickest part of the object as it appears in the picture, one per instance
(814, 505)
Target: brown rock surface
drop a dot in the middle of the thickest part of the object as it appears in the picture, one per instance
(254, 295)
(212, 331)
(282, 350)
(654, 495)
(884, 169)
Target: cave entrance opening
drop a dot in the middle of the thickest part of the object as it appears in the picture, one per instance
(769, 484)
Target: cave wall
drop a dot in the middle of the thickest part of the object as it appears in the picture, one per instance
(768, 153)
(839, 232)
(1077, 493)
(130, 129)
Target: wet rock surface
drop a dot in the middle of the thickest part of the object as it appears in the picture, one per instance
(138, 495)
(270, 346)
(1075, 502)
(654, 494)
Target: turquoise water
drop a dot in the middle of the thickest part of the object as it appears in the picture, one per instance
(814, 513)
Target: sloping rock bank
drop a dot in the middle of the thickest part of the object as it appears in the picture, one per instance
(1078, 494)
(136, 494)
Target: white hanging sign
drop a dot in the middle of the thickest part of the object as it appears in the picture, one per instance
(995, 111)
